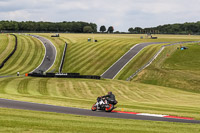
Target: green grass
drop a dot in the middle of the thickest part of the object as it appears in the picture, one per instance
(28, 56)
(175, 68)
(82, 93)
(95, 58)
(7, 44)
(21, 121)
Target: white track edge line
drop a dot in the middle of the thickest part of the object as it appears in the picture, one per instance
(131, 59)
(120, 58)
(126, 64)
(44, 54)
(55, 55)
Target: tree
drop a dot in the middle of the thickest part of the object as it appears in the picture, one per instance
(87, 29)
(102, 28)
(1, 27)
(131, 30)
(110, 29)
(138, 30)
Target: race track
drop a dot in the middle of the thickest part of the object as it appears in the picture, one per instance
(5, 103)
(125, 59)
(50, 55)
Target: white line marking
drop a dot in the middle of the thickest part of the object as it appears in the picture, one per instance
(44, 54)
(127, 63)
(154, 115)
(55, 55)
(119, 59)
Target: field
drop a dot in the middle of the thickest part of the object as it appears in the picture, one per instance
(28, 56)
(169, 86)
(82, 93)
(95, 58)
(20, 121)
(7, 44)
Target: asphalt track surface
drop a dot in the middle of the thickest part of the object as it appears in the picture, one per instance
(125, 59)
(5, 103)
(50, 55)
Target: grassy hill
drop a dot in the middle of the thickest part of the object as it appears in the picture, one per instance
(7, 43)
(175, 68)
(95, 58)
(82, 93)
(147, 95)
(28, 56)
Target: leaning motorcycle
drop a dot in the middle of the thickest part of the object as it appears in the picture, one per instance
(102, 104)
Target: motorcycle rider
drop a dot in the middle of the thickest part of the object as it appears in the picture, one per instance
(110, 97)
(105, 100)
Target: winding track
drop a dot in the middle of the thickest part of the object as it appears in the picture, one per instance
(50, 55)
(5, 103)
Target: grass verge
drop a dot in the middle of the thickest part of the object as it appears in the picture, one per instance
(22, 121)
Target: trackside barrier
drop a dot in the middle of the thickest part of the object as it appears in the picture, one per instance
(155, 56)
(64, 75)
(63, 58)
(7, 58)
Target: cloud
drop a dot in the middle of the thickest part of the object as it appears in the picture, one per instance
(122, 14)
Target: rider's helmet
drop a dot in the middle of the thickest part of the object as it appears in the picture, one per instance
(110, 92)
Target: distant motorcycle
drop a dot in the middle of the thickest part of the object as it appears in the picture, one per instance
(102, 104)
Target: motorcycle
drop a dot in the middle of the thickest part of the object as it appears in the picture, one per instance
(102, 104)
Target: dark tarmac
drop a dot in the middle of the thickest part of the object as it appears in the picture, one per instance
(5, 103)
(50, 55)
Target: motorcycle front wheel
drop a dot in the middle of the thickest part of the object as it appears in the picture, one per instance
(94, 107)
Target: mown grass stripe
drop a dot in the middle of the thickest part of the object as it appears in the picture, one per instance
(42, 88)
(7, 43)
(3, 84)
(13, 60)
(86, 58)
(23, 86)
(73, 59)
(27, 57)
(97, 62)
(89, 62)
(21, 57)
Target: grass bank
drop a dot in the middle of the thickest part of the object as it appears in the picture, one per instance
(19, 121)
(82, 93)
(28, 56)
(7, 44)
(175, 68)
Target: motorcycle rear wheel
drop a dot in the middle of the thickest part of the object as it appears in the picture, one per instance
(110, 108)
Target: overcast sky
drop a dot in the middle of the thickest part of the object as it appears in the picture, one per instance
(122, 14)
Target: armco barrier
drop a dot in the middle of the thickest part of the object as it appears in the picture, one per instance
(64, 75)
(63, 58)
(7, 58)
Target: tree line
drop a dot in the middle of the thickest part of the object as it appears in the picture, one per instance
(72, 27)
(103, 29)
(185, 28)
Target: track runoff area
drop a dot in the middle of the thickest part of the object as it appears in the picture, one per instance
(5, 103)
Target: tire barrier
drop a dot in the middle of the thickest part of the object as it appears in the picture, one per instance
(155, 56)
(64, 75)
(7, 58)
(63, 58)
